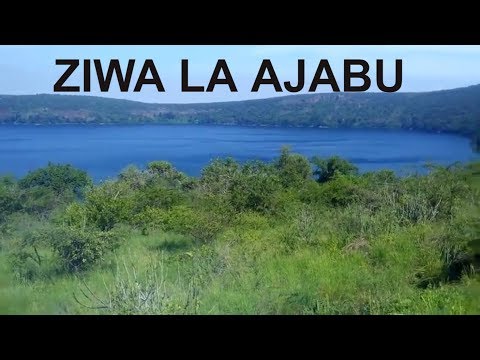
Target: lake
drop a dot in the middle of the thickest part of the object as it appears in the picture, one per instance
(104, 151)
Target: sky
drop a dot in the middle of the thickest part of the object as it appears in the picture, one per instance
(32, 69)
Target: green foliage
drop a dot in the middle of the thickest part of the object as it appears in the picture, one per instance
(39, 200)
(134, 177)
(76, 249)
(9, 202)
(453, 111)
(156, 195)
(165, 172)
(254, 187)
(146, 293)
(254, 238)
(109, 204)
(218, 176)
(340, 190)
(81, 249)
(294, 169)
(58, 178)
(326, 169)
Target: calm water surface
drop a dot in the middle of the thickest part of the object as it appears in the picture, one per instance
(104, 151)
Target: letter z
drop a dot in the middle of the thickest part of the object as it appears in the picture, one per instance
(73, 64)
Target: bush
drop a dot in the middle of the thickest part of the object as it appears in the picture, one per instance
(218, 176)
(76, 249)
(75, 215)
(294, 169)
(201, 225)
(39, 201)
(9, 197)
(109, 204)
(254, 188)
(150, 219)
(327, 168)
(156, 195)
(134, 177)
(59, 178)
(312, 193)
(340, 190)
(164, 172)
(302, 229)
(81, 249)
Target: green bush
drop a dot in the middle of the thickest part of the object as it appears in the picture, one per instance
(134, 177)
(59, 178)
(326, 169)
(9, 197)
(81, 249)
(254, 188)
(218, 176)
(109, 204)
(75, 215)
(76, 249)
(156, 195)
(165, 173)
(294, 169)
(340, 190)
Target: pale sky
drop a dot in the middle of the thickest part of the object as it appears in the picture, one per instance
(32, 69)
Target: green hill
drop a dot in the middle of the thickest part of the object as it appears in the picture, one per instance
(456, 111)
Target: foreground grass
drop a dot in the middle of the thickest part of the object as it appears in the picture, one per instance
(193, 279)
(258, 238)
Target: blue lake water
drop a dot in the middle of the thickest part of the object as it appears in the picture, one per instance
(104, 151)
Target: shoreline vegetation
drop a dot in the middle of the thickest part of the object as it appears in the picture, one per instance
(290, 236)
(455, 111)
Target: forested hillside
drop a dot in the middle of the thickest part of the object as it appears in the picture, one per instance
(456, 110)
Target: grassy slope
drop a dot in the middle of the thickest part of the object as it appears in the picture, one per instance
(248, 270)
(307, 281)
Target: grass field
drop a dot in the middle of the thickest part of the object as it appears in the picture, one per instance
(243, 239)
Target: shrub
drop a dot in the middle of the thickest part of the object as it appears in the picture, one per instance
(312, 193)
(39, 201)
(254, 188)
(201, 225)
(164, 172)
(218, 176)
(294, 169)
(156, 195)
(9, 197)
(327, 168)
(59, 178)
(150, 219)
(134, 177)
(75, 215)
(81, 249)
(109, 204)
(302, 229)
(341, 190)
(76, 249)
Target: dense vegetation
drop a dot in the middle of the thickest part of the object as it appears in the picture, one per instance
(294, 236)
(456, 111)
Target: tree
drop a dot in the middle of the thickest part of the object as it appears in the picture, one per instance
(135, 177)
(294, 169)
(165, 172)
(9, 199)
(109, 204)
(218, 175)
(327, 168)
(58, 178)
(254, 188)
